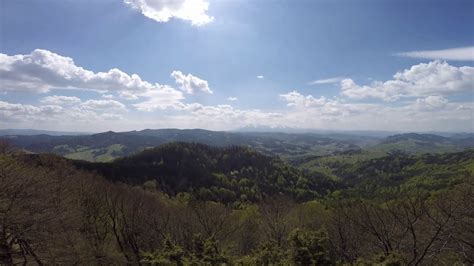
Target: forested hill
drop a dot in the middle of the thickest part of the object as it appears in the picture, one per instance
(388, 176)
(239, 174)
(107, 146)
(236, 206)
(225, 174)
(426, 143)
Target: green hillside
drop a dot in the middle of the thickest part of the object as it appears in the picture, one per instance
(297, 148)
(408, 144)
(227, 174)
(194, 204)
(111, 145)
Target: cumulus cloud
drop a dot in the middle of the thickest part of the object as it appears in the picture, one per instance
(326, 81)
(420, 80)
(24, 112)
(87, 113)
(425, 89)
(308, 107)
(164, 98)
(190, 84)
(57, 104)
(194, 11)
(64, 113)
(60, 100)
(260, 77)
(432, 112)
(110, 105)
(456, 54)
(42, 71)
(431, 102)
(296, 99)
(113, 117)
(427, 113)
(232, 99)
(127, 95)
(13, 111)
(223, 116)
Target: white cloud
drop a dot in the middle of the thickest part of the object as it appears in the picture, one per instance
(428, 113)
(97, 105)
(164, 98)
(42, 71)
(260, 77)
(308, 107)
(424, 87)
(127, 95)
(326, 81)
(60, 100)
(109, 116)
(14, 111)
(74, 103)
(221, 117)
(194, 11)
(86, 113)
(232, 98)
(296, 99)
(431, 102)
(457, 54)
(190, 84)
(420, 80)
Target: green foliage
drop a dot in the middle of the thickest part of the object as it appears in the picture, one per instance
(309, 247)
(229, 175)
(388, 176)
(171, 254)
(269, 253)
(211, 253)
(191, 204)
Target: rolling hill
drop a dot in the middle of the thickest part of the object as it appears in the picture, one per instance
(301, 149)
(224, 174)
(110, 145)
(425, 143)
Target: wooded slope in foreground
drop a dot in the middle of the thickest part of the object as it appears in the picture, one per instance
(53, 213)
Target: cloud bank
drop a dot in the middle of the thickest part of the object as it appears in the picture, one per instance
(426, 96)
(42, 71)
(424, 79)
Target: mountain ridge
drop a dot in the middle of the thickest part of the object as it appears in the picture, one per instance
(106, 146)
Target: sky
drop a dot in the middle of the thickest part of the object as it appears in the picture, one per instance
(98, 65)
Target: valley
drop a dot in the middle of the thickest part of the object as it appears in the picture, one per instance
(196, 197)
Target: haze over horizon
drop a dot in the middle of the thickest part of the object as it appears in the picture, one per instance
(224, 65)
(244, 130)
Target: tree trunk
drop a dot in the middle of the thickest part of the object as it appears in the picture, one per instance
(5, 251)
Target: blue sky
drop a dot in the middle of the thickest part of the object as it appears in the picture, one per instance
(354, 49)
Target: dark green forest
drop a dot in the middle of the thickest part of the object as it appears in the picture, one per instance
(194, 204)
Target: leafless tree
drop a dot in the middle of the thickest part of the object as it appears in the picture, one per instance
(275, 214)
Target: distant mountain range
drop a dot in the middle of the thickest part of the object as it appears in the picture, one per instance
(416, 143)
(109, 145)
(6, 132)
